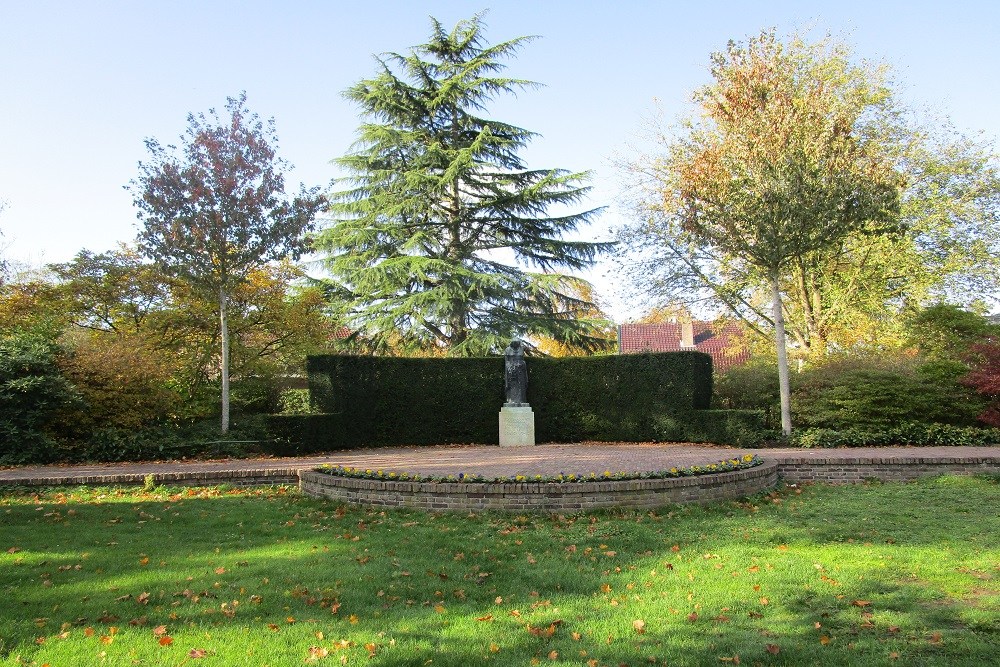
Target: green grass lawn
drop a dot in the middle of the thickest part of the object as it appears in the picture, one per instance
(862, 575)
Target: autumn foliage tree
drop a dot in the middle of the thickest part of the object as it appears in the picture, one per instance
(215, 209)
(780, 164)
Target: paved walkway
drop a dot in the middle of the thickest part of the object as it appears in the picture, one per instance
(484, 460)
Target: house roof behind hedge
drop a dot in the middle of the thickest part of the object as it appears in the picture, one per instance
(723, 342)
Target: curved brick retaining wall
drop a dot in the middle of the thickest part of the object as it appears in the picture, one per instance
(540, 496)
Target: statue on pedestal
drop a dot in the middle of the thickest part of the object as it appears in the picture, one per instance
(515, 374)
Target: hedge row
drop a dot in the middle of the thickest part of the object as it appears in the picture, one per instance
(392, 401)
(295, 435)
(913, 435)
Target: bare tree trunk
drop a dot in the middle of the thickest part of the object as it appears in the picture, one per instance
(779, 340)
(224, 325)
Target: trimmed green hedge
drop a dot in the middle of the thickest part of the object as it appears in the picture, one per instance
(402, 401)
(740, 428)
(913, 435)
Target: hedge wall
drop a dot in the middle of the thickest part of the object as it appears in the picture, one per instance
(381, 401)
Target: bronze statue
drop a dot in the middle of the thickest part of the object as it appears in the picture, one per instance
(515, 374)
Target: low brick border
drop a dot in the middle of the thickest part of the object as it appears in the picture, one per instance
(796, 468)
(248, 477)
(540, 496)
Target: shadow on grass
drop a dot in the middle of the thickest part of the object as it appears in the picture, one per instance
(876, 570)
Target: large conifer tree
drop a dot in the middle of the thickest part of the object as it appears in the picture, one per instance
(440, 215)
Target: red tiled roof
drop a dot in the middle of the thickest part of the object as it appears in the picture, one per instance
(724, 345)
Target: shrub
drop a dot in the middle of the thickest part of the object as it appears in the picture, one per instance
(914, 435)
(295, 402)
(294, 435)
(32, 392)
(751, 386)
(247, 435)
(740, 428)
(123, 383)
(874, 394)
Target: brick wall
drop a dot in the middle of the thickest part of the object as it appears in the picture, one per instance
(851, 471)
(535, 496)
(261, 477)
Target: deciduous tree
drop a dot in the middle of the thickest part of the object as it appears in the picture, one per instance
(215, 209)
(861, 291)
(781, 163)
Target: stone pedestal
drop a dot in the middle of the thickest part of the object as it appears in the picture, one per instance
(517, 426)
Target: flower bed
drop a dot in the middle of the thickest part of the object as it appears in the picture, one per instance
(727, 465)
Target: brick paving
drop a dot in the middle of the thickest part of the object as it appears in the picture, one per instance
(485, 460)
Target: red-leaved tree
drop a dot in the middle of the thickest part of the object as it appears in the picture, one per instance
(985, 378)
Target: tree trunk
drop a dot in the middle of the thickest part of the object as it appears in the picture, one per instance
(224, 325)
(779, 340)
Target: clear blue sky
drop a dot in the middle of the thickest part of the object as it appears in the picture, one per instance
(84, 82)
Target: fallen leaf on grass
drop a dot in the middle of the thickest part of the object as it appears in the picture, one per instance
(861, 603)
(197, 653)
(494, 648)
(733, 659)
(487, 617)
(316, 652)
(553, 655)
(166, 640)
(159, 631)
(824, 640)
(639, 626)
(693, 616)
(371, 649)
(773, 649)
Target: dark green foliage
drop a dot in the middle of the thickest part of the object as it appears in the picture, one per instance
(435, 189)
(296, 435)
(873, 395)
(195, 439)
(944, 331)
(740, 428)
(752, 386)
(401, 401)
(32, 392)
(912, 435)
(616, 397)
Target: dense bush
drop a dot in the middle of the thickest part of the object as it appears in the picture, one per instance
(740, 428)
(297, 435)
(878, 394)
(32, 392)
(123, 383)
(914, 435)
(433, 401)
(751, 386)
(247, 436)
